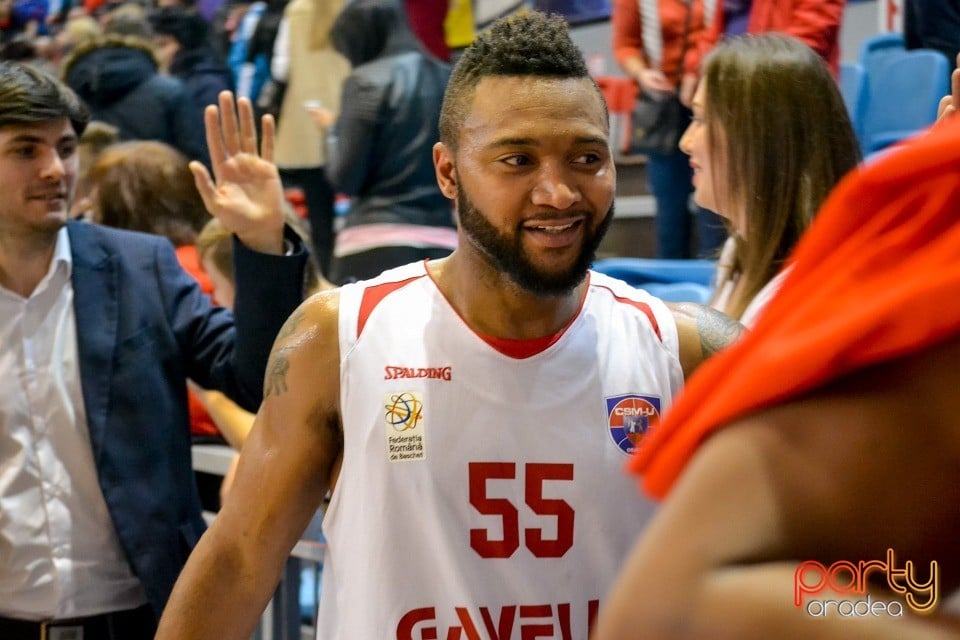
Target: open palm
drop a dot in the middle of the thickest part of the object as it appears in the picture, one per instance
(245, 192)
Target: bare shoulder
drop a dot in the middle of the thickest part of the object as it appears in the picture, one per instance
(702, 332)
(308, 340)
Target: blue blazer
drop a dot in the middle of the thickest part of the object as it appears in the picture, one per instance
(143, 328)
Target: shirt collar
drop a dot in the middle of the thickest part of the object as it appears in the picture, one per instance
(61, 252)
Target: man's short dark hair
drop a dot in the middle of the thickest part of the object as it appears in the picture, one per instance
(530, 43)
(28, 96)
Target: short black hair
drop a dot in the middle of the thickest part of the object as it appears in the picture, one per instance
(189, 29)
(28, 96)
(529, 43)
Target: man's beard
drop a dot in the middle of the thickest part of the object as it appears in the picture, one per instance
(506, 252)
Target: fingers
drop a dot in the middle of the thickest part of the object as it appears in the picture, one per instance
(201, 178)
(229, 127)
(211, 122)
(248, 134)
(269, 127)
(945, 102)
(955, 87)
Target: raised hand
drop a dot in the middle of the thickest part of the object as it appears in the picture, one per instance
(245, 192)
(950, 104)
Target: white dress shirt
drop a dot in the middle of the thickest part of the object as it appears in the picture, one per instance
(59, 552)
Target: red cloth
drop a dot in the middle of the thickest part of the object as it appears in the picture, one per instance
(628, 37)
(426, 20)
(201, 424)
(876, 277)
(814, 22)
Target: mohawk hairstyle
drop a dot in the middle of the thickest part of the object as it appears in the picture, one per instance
(530, 43)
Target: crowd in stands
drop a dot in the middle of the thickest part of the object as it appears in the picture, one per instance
(171, 176)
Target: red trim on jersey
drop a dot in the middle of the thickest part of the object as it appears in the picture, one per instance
(519, 349)
(372, 296)
(642, 306)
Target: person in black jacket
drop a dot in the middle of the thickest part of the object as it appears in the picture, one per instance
(933, 24)
(380, 151)
(183, 46)
(118, 78)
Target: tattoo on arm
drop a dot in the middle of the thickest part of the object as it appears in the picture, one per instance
(276, 382)
(716, 330)
(290, 326)
(278, 366)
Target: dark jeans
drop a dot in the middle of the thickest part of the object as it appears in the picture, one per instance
(319, 196)
(670, 178)
(134, 624)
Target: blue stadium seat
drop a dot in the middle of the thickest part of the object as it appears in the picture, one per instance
(855, 91)
(638, 271)
(904, 96)
(678, 291)
(881, 44)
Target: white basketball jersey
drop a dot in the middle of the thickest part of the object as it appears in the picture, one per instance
(482, 494)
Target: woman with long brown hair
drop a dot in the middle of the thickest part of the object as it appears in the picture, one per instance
(770, 138)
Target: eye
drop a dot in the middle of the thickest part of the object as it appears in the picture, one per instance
(26, 152)
(66, 150)
(588, 158)
(516, 161)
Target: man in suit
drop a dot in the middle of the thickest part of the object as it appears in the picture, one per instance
(99, 330)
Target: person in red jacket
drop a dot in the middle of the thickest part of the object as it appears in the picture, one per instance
(816, 23)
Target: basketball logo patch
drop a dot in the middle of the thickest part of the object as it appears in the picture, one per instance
(405, 426)
(630, 418)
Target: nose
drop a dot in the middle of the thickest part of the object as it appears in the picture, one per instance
(555, 188)
(53, 166)
(686, 140)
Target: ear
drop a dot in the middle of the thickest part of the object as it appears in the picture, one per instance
(446, 170)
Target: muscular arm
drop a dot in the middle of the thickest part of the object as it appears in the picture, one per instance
(287, 465)
(702, 331)
(867, 464)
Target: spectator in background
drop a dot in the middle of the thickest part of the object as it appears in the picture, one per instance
(651, 47)
(23, 17)
(118, 78)
(813, 22)
(305, 60)
(76, 31)
(932, 24)
(182, 42)
(380, 147)
(427, 18)
(95, 139)
(147, 186)
(127, 19)
(770, 139)
(6, 20)
(248, 74)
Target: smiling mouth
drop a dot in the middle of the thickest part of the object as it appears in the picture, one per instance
(553, 228)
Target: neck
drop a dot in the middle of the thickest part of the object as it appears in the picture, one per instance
(493, 304)
(25, 259)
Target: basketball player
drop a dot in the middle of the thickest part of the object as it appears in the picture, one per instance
(469, 414)
(812, 470)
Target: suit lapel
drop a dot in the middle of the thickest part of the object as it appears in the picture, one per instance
(96, 306)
